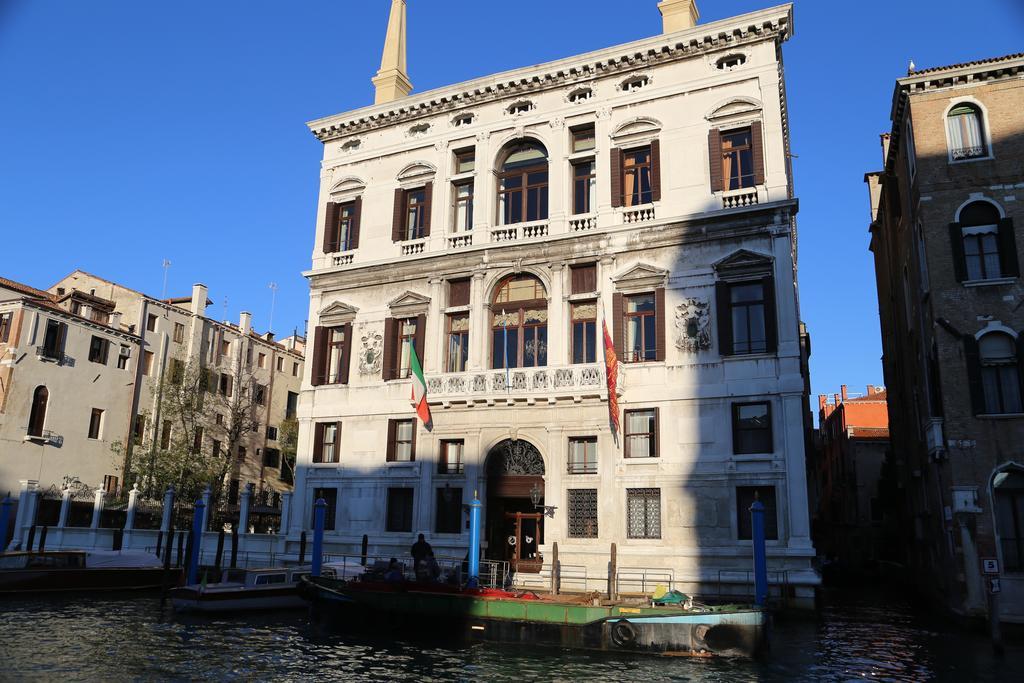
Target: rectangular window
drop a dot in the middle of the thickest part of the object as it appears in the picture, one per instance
(151, 322)
(415, 214)
(295, 369)
(147, 363)
(272, 458)
(641, 433)
(326, 444)
(448, 514)
(584, 187)
(584, 138)
(641, 329)
(233, 487)
(225, 387)
(179, 332)
(584, 332)
(259, 394)
(406, 328)
(336, 360)
(738, 159)
(582, 513)
(261, 360)
(342, 237)
(745, 496)
(241, 453)
(330, 496)
(272, 433)
(981, 252)
(458, 343)
(123, 355)
(402, 441)
(643, 513)
(465, 160)
(399, 516)
(451, 457)
(5, 327)
(165, 435)
(139, 433)
(53, 340)
(95, 423)
(583, 455)
(636, 177)
(291, 405)
(110, 484)
(280, 364)
(462, 211)
(747, 314)
(216, 448)
(751, 428)
(98, 350)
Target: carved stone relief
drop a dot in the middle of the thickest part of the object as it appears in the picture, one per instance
(371, 352)
(693, 325)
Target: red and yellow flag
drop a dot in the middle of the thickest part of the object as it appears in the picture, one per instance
(611, 367)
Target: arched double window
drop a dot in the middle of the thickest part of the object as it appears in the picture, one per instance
(966, 132)
(519, 323)
(984, 244)
(996, 376)
(523, 183)
(37, 417)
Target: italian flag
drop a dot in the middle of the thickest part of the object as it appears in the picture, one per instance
(419, 388)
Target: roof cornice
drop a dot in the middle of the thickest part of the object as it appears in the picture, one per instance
(775, 23)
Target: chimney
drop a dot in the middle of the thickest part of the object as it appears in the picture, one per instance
(835, 399)
(115, 320)
(199, 294)
(678, 15)
(245, 323)
(822, 401)
(871, 390)
(844, 394)
(392, 81)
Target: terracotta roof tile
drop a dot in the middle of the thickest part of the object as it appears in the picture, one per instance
(25, 289)
(979, 62)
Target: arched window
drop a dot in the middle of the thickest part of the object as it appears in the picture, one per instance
(523, 184)
(37, 417)
(519, 328)
(979, 225)
(1000, 374)
(966, 133)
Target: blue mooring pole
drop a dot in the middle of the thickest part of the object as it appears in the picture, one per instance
(474, 542)
(319, 512)
(760, 554)
(197, 541)
(5, 519)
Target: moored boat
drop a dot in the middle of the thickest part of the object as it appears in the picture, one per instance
(243, 589)
(75, 570)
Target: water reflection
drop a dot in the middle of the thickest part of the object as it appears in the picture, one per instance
(864, 636)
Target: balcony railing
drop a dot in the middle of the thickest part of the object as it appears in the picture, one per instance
(54, 356)
(461, 240)
(968, 153)
(736, 199)
(638, 214)
(518, 381)
(582, 467)
(343, 259)
(519, 231)
(581, 223)
(413, 247)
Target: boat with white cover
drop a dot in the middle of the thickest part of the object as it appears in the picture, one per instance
(244, 589)
(74, 570)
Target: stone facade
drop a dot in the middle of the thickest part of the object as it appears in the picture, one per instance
(676, 251)
(947, 267)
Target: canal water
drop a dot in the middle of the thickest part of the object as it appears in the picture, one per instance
(855, 636)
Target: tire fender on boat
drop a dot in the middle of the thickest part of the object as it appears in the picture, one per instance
(624, 633)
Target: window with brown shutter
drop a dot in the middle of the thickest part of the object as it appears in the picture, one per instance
(659, 323)
(616, 176)
(401, 446)
(330, 242)
(757, 145)
(656, 171)
(428, 202)
(319, 356)
(715, 159)
(584, 278)
(412, 213)
(458, 292)
(318, 442)
(388, 360)
(418, 338)
(398, 218)
(617, 325)
(346, 352)
(357, 217)
(637, 183)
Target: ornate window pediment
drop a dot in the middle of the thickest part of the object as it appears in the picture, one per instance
(640, 276)
(637, 129)
(348, 185)
(409, 304)
(337, 313)
(418, 170)
(743, 263)
(735, 108)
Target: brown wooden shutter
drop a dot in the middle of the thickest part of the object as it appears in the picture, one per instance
(392, 431)
(398, 222)
(757, 148)
(1008, 262)
(715, 159)
(956, 244)
(346, 352)
(656, 171)
(616, 171)
(330, 227)
(724, 310)
(972, 358)
(356, 219)
(659, 323)
(458, 292)
(618, 327)
(318, 442)
(428, 204)
(412, 447)
(421, 330)
(388, 362)
(584, 278)
(337, 442)
(771, 316)
(657, 433)
(319, 348)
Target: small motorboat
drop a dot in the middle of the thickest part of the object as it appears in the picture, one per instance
(79, 570)
(244, 589)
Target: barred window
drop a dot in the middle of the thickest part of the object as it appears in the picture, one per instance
(582, 513)
(643, 510)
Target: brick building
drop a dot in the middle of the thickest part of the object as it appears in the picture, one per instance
(944, 211)
(847, 522)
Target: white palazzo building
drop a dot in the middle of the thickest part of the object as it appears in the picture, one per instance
(493, 225)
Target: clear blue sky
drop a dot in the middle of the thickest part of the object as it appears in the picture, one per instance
(136, 131)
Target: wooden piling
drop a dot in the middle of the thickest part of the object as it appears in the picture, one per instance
(167, 565)
(160, 543)
(613, 573)
(302, 547)
(31, 537)
(220, 553)
(181, 548)
(234, 546)
(188, 549)
(366, 545)
(42, 539)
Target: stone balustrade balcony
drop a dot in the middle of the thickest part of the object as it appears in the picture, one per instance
(532, 385)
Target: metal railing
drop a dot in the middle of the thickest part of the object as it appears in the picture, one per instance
(452, 570)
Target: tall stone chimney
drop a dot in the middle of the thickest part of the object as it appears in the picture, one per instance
(843, 391)
(392, 81)
(199, 295)
(245, 323)
(678, 15)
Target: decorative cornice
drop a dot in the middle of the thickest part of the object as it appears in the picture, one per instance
(770, 24)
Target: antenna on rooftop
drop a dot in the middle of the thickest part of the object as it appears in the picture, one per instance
(166, 267)
(225, 309)
(273, 300)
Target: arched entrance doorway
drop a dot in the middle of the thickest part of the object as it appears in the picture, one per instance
(515, 527)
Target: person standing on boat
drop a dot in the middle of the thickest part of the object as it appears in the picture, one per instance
(420, 550)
